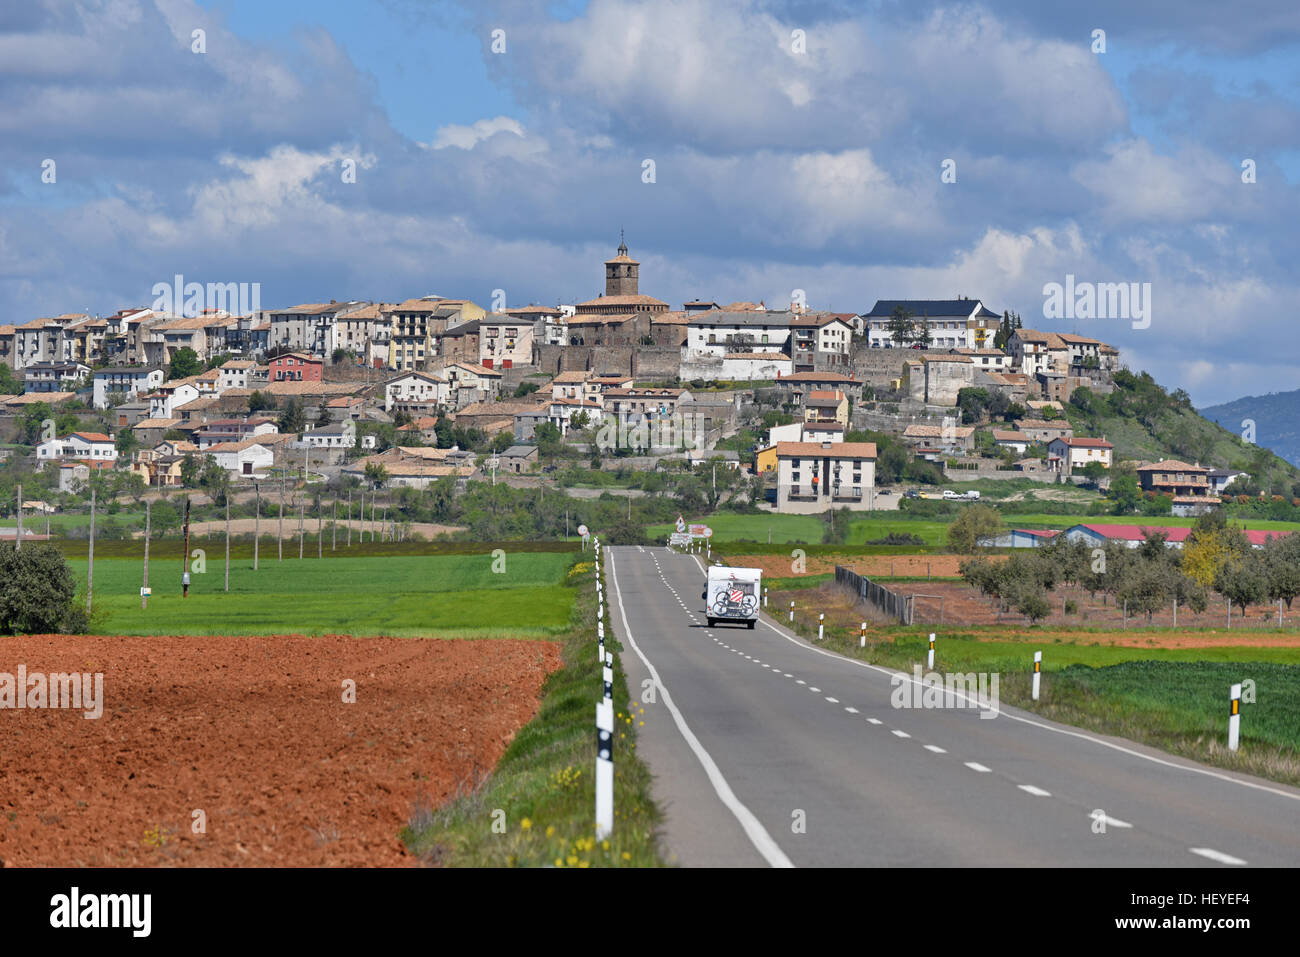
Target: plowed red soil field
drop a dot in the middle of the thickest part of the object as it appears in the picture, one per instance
(254, 733)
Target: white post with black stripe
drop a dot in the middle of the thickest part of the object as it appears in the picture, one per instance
(604, 768)
(930, 659)
(821, 625)
(1234, 718)
(1038, 671)
(600, 640)
(862, 637)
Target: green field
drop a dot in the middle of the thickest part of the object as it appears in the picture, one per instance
(807, 529)
(405, 596)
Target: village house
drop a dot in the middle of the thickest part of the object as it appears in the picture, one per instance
(87, 446)
(829, 406)
(504, 342)
(296, 367)
(54, 376)
(813, 477)
(1174, 478)
(949, 323)
(412, 391)
(1041, 430)
(795, 387)
(1067, 454)
(245, 458)
(124, 382)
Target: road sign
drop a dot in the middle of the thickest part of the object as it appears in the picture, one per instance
(681, 525)
(679, 538)
(146, 592)
(701, 531)
(583, 530)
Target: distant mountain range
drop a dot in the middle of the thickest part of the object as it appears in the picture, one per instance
(1276, 417)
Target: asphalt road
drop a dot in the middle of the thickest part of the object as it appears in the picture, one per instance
(769, 751)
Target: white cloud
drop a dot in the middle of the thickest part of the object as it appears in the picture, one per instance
(465, 137)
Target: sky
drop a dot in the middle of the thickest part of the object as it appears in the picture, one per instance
(747, 149)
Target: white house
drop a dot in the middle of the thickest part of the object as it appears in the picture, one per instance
(561, 412)
(415, 388)
(243, 458)
(1067, 454)
(1018, 442)
(718, 332)
(341, 435)
(234, 374)
(167, 398)
(54, 376)
(87, 446)
(951, 323)
(130, 381)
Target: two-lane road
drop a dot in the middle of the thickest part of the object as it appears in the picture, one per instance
(769, 751)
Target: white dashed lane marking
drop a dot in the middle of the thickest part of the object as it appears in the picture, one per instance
(874, 720)
(1214, 855)
(977, 767)
(1036, 792)
(935, 748)
(901, 734)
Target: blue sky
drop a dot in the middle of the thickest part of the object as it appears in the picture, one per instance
(775, 170)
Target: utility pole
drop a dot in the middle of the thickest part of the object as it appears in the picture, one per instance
(302, 506)
(90, 565)
(334, 525)
(18, 540)
(320, 528)
(257, 523)
(349, 545)
(280, 541)
(185, 558)
(144, 598)
(227, 540)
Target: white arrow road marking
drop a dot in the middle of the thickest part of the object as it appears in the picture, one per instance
(1109, 821)
(1214, 855)
(755, 831)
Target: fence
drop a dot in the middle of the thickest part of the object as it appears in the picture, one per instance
(891, 603)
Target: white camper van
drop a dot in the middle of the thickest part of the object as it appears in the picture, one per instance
(733, 594)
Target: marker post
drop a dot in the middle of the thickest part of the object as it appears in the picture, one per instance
(1038, 671)
(604, 769)
(821, 620)
(792, 609)
(862, 637)
(930, 660)
(1234, 718)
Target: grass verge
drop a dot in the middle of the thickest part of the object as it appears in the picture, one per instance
(537, 808)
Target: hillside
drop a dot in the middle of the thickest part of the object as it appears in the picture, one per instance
(1276, 417)
(1145, 422)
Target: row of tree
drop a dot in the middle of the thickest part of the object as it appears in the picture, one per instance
(1216, 558)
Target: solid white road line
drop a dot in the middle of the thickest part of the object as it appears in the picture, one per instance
(757, 834)
(1214, 855)
(977, 767)
(1036, 792)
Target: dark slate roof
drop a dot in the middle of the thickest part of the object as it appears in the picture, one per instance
(932, 309)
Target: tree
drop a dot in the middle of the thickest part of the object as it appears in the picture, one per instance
(292, 417)
(126, 443)
(191, 468)
(1242, 580)
(1282, 561)
(1094, 471)
(975, 523)
(323, 414)
(260, 401)
(376, 474)
(525, 388)
(32, 422)
(1124, 494)
(185, 363)
(36, 591)
(904, 330)
(8, 384)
